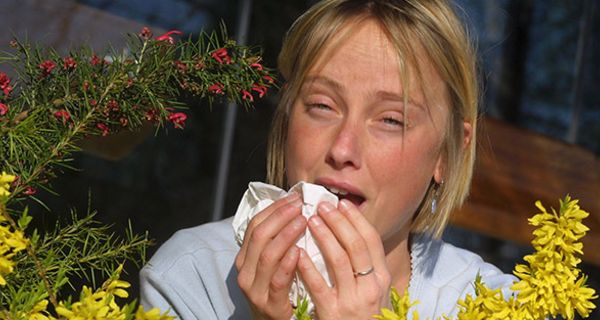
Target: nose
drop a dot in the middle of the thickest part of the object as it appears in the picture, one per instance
(345, 149)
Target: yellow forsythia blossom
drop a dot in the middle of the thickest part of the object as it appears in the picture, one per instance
(11, 241)
(152, 314)
(5, 180)
(400, 307)
(552, 284)
(39, 312)
(101, 304)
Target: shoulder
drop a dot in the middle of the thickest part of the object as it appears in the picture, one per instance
(215, 238)
(192, 274)
(444, 273)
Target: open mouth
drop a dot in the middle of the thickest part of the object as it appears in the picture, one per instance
(356, 199)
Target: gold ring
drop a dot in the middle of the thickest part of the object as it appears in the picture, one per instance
(364, 273)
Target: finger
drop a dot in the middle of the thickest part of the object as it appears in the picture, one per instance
(333, 253)
(368, 232)
(281, 282)
(348, 236)
(313, 280)
(266, 231)
(257, 220)
(271, 258)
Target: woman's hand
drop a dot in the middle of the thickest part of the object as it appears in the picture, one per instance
(354, 253)
(267, 261)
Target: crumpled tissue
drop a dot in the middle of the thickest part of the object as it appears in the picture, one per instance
(260, 195)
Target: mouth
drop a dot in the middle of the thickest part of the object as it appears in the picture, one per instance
(344, 191)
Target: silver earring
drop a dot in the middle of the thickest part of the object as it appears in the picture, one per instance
(436, 194)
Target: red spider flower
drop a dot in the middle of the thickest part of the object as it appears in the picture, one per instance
(151, 115)
(146, 33)
(93, 102)
(113, 105)
(247, 95)
(69, 63)
(221, 56)
(29, 191)
(268, 79)
(182, 67)
(3, 109)
(124, 121)
(167, 36)
(102, 127)
(47, 67)
(5, 84)
(216, 88)
(178, 119)
(63, 115)
(257, 66)
(262, 90)
(95, 60)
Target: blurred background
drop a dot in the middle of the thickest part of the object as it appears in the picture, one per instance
(539, 139)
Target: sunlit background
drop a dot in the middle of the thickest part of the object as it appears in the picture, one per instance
(540, 66)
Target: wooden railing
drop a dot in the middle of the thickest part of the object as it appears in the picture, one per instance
(516, 167)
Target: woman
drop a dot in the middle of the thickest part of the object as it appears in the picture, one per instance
(380, 107)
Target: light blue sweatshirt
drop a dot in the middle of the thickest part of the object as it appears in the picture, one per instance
(193, 275)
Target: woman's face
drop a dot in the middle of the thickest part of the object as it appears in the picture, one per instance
(346, 130)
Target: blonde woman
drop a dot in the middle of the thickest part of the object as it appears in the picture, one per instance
(380, 107)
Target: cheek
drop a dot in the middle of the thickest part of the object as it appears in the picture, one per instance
(301, 151)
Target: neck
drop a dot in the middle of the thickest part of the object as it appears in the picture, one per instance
(397, 254)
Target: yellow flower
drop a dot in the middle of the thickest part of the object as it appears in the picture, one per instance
(11, 242)
(152, 314)
(400, 307)
(5, 180)
(552, 284)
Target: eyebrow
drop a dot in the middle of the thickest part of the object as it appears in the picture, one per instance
(380, 94)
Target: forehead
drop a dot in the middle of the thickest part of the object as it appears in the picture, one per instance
(363, 51)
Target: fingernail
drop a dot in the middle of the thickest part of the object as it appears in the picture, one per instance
(292, 197)
(345, 204)
(298, 221)
(325, 207)
(315, 221)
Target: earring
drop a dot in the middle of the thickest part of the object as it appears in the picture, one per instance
(436, 194)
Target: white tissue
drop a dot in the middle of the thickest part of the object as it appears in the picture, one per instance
(260, 195)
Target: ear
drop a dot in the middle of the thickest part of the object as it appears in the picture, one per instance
(467, 134)
(438, 172)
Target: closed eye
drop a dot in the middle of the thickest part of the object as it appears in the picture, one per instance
(392, 121)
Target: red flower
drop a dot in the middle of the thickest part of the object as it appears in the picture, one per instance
(262, 90)
(178, 119)
(29, 191)
(216, 88)
(63, 115)
(3, 109)
(123, 121)
(221, 56)
(47, 67)
(167, 36)
(69, 63)
(95, 60)
(268, 79)
(5, 84)
(146, 33)
(151, 115)
(113, 105)
(182, 67)
(247, 95)
(93, 102)
(256, 65)
(102, 127)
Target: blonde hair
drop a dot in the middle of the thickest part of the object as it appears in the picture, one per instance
(440, 33)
